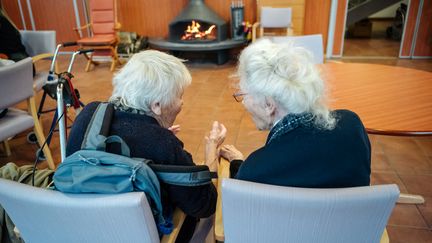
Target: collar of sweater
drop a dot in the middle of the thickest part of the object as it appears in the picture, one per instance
(289, 123)
(118, 106)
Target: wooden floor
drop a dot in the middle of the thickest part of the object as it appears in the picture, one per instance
(377, 45)
(406, 161)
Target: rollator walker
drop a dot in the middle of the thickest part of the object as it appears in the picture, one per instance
(60, 88)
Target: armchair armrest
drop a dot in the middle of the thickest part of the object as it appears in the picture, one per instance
(257, 27)
(223, 172)
(82, 27)
(42, 56)
(178, 219)
(77, 30)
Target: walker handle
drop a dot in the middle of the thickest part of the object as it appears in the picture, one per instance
(85, 51)
(70, 43)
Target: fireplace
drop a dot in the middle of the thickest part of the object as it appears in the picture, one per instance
(197, 23)
(198, 30)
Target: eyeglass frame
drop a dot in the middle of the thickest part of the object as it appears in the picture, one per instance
(238, 96)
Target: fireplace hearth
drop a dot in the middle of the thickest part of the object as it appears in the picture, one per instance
(198, 29)
(197, 12)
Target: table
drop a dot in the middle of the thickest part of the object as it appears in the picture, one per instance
(390, 100)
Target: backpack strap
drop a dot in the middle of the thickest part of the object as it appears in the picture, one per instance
(98, 127)
(183, 175)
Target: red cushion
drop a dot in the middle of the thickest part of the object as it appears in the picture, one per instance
(98, 40)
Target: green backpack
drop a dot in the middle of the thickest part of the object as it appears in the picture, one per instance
(93, 170)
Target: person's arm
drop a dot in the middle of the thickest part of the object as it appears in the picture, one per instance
(196, 201)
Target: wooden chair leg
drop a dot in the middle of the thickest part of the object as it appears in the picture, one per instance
(39, 132)
(289, 31)
(115, 58)
(89, 62)
(113, 64)
(7, 148)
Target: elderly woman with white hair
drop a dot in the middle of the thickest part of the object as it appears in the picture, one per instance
(147, 97)
(308, 145)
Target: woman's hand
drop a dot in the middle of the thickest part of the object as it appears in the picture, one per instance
(213, 141)
(230, 153)
(217, 134)
(174, 129)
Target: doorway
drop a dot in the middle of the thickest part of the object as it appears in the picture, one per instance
(374, 31)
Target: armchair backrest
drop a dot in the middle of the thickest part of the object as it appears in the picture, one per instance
(43, 215)
(16, 82)
(313, 43)
(275, 17)
(254, 212)
(103, 16)
(38, 41)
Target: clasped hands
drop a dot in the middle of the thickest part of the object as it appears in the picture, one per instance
(214, 147)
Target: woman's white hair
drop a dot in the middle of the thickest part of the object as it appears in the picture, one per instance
(150, 76)
(287, 74)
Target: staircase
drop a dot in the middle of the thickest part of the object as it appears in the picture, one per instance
(361, 9)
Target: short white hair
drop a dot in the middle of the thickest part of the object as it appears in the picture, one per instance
(150, 76)
(286, 73)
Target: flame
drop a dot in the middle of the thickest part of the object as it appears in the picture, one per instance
(193, 32)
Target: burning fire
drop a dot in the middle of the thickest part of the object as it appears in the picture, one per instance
(193, 32)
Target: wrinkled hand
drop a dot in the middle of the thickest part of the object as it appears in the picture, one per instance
(174, 129)
(230, 153)
(217, 134)
(213, 141)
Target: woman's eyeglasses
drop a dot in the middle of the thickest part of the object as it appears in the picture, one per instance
(238, 96)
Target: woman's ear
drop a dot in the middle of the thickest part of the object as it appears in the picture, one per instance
(156, 108)
(270, 106)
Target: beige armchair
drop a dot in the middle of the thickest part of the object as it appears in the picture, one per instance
(44, 215)
(254, 212)
(40, 45)
(16, 86)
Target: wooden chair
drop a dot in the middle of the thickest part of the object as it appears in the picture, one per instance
(16, 85)
(103, 27)
(43, 215)
(254, 212)
(274, 18)
(297, 15)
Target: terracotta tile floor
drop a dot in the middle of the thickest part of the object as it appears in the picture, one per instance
(406, 161)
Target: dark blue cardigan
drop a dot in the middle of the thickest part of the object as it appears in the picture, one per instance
(312, 158)
(147, 139)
